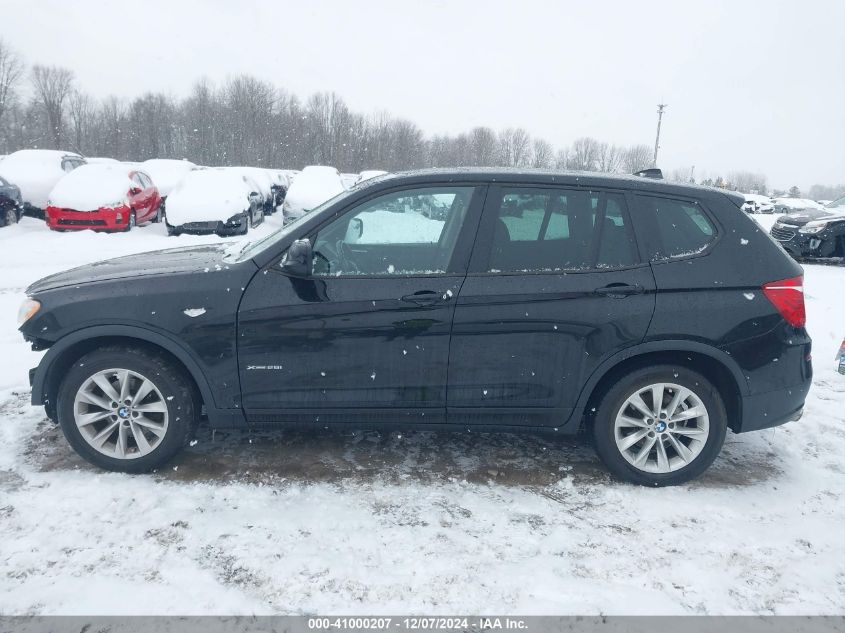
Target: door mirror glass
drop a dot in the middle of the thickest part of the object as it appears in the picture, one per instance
(354, 231)
(297, 260)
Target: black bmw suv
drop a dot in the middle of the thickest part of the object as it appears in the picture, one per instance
(654, 316)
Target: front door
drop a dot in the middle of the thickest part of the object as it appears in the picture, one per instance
(555, 287)
(367, 333)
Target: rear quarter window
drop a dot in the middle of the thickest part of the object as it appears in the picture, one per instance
(679, 228)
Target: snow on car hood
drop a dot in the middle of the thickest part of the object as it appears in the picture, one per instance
(92, 187)
(35, 172)
(800, 219)
(207, 195)
(173, 260)
(312, 188)
(166, 173)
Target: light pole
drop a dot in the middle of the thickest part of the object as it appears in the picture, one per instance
(660, 108)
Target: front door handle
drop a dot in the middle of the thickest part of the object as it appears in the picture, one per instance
(426, 298)
(619, 291)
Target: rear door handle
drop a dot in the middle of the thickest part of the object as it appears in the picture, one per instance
(618, 291)
(426, 298)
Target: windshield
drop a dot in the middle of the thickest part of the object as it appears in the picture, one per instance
(241, 251)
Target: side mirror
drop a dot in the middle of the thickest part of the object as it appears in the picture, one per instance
(297, 259)
(135, 191)
(354, 231)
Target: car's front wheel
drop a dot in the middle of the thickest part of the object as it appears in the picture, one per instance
(126, 409)
(10, 216)
(660, 426)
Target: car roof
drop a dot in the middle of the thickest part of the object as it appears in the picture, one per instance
(551, 177)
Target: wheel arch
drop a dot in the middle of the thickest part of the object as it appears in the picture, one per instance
(69, 349)
(713, 364)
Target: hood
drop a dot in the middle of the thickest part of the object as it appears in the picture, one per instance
(173, 260)
(802, 217)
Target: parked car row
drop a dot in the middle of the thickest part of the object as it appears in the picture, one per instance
(72, 192)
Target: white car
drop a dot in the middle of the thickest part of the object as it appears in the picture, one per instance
(793, 205)
(312, 187)
(166, 172)
(755, 203)
(263, 181)
(36, 172)
(220, 201)
(101, 160)
(369, 173)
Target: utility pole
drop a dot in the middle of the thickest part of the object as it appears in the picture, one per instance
(660, 108)
(692, 175)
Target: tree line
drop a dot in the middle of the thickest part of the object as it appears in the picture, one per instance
(247, 121)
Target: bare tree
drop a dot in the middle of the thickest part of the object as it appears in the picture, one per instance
(636, 157)
(747, 181)
(514, 147)
(483, 146)
(609, 158)
(11, 70)
(52, 85)
(584, 154)
(543, 154)
(81, 113)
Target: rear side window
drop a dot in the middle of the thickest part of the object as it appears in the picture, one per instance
(547, 230)
(681, 227)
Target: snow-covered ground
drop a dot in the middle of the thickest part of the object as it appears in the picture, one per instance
(343, 522)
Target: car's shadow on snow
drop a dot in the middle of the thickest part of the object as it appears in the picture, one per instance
(346, 456)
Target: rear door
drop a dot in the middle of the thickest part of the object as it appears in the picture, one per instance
(555, 286)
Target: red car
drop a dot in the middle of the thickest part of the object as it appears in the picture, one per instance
(103, 197)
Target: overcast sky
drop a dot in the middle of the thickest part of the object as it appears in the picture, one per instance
(749, 85)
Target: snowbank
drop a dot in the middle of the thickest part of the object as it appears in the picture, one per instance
(208, 194)
(166, 173)
(35, 172)
(92, 187)
(311, 188)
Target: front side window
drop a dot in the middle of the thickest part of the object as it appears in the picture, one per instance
(681, 227)
(548, 230)
(400, 233)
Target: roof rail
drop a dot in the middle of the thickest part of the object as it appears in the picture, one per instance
(652, 172)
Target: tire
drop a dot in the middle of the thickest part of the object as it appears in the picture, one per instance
(10, 216)
(688, 450)
(171, 409)
(158, 217)
(132, 222)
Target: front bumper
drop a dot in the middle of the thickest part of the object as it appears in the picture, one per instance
(800, 244)
(116, 219)
(233, 226)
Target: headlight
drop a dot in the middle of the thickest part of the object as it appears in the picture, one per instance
(813, 227)
(28, 310)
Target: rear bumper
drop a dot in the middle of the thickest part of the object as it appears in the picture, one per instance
(115, 219)
(766, 410)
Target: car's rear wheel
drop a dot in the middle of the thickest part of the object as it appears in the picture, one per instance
(126, 409)
(132, 221)
(159, 216)
(660, 426)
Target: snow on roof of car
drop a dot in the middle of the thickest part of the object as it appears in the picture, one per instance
(313, 186)
(755, 197)
(798, 203)
(167, 172)
(260, 176)
(208, 194)
(35, 172)
(92, 187)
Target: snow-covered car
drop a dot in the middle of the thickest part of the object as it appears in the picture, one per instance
(35, 172)
(795, 205)
(221, 201)
(312, 187)
(103, 197)
(10, 203)
(262, 182)
(166, 173)
(755, 203)
(367, 174)
(100, 160)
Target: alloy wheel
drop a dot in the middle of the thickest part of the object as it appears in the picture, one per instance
(120, 413)
(661, 428)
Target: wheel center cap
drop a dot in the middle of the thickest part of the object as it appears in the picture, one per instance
(123, 412)
(660, 426)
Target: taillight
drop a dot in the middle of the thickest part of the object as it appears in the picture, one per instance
(787, 295)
